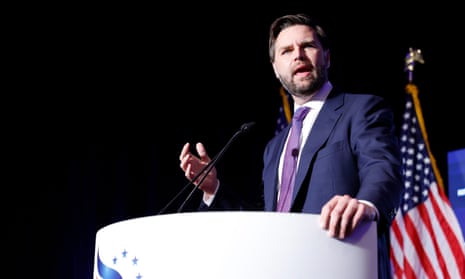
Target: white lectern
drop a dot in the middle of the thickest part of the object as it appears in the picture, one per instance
(237, 244)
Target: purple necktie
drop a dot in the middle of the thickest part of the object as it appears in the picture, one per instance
(290, 161)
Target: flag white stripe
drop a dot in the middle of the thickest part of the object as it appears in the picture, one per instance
(411, 252)
(445, 213)
(427, 241)
(396, 247)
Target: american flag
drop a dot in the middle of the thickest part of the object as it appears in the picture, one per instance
(285, 112)
(426, 240)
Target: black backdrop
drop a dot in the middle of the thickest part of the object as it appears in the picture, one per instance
(109, 94)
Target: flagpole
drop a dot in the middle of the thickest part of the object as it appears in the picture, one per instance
(286, 105)
(415, 55)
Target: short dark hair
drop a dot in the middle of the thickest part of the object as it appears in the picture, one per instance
(285, 21)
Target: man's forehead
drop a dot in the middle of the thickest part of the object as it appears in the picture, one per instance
(296, 34)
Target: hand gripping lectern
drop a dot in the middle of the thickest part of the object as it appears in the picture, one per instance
(232, 245)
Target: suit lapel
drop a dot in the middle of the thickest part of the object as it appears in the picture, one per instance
(322, 128)
(271, 171)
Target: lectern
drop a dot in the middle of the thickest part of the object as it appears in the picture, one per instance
(236, 244)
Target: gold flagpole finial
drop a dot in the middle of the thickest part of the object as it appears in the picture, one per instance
(413, 55)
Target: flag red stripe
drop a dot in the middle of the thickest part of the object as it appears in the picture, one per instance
(408, 270)
(418, 245)
(452, 240)
(444, 227)
(397, 269)
(396, 236)
(395, 228)
(426, 218)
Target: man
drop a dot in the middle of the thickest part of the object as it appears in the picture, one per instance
(349, 159)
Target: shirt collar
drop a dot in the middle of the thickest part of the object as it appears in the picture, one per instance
(317, 100)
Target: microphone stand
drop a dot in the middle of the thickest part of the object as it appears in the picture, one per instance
(206, 170)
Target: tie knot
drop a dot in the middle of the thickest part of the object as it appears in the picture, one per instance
(300, 113)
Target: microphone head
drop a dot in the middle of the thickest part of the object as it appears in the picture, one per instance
(295, 152)
(247, 126)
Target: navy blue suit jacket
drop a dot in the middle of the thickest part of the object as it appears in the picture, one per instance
(352, 149)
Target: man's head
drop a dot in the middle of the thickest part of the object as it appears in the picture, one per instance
(299, 53)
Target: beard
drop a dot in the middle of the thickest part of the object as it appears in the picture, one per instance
(308, 85)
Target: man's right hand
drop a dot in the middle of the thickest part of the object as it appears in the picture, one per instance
(192, 165)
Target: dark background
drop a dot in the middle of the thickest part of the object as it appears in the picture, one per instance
(107, 95)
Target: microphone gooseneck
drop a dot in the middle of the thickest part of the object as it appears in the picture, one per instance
(207, 169)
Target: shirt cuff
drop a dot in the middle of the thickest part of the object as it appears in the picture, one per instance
(208, 199)
(370, 204)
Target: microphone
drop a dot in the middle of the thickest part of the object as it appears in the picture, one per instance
(207, 168)
(295, 152)
(246, 126)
